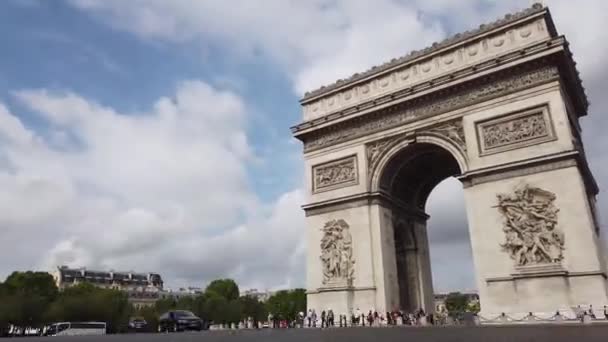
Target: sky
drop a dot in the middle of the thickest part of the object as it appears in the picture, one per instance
(153, 135)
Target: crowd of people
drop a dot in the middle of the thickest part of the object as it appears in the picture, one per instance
(372, 318)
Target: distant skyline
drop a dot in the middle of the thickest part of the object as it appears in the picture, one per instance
(153, 135)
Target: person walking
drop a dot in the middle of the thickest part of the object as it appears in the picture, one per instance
(330, 318)
(314, 318)
(323, 319)
(309, 317)
(358, 316)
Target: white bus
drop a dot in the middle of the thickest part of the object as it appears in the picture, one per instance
(76, 329)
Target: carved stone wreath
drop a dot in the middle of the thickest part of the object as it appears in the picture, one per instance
(337, 253)
(532, 235)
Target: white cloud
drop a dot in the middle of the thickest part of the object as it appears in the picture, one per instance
(164, 190)
(315, 42)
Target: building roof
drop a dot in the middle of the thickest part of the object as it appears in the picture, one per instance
(96, 275)
(455, 39)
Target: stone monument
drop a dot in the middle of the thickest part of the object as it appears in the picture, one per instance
(498, 108)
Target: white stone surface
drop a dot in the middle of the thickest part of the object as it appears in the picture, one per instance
(529, 162)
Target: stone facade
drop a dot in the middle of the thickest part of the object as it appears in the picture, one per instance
(498, 108)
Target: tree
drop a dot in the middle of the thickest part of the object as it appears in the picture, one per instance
(150, 315)
(215, 308)
(456, 303)
(165, 304)
(26, 296)
(86, 302)
(32, 283)
(226, 288)
(287, 304)
(252, 307)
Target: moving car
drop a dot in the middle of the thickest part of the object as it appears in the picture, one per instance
(180, 320)
(137, 324)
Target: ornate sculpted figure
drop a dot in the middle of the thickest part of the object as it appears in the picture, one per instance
(337, 252)
(530, 226)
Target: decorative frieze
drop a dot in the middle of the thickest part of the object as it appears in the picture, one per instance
(337, 259)
(409, 112)
(335, 174)
(516, 130)
(404, 72)
(532, 235)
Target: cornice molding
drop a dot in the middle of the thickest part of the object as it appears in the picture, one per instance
(360, 200)
(449, 42)
(531, 166)
(453, 79)
(442, 101)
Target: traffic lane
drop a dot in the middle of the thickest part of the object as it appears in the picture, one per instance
(552, 333)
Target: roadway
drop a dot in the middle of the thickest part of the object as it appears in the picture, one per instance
(531, 333)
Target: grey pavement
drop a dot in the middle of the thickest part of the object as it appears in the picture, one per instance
(535, 333)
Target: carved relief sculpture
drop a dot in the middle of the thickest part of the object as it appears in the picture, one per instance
(337, 253)
(453, 131)
(532, 235)
(375, 149)
(334, 174)
(521, 129)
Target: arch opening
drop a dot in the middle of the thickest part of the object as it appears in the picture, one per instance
(407, 179)
(414, 171)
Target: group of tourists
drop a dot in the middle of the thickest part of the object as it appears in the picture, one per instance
(372, 318)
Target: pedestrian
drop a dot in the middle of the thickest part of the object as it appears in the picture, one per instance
(330, 318)
(309, 317)
(314, 318)
(370, 318)
(323, 319)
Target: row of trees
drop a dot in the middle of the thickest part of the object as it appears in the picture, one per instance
(31, 299)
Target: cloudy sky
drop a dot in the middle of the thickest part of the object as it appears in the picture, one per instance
(154, 135)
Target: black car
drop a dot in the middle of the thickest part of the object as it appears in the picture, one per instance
(180, 320)
(137, 324)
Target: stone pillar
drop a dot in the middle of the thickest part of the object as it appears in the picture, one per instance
(425, 276)
(514, 276)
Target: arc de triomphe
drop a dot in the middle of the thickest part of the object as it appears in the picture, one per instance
(498, 108)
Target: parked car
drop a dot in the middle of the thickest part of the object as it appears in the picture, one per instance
(180, 320)
(137, 324)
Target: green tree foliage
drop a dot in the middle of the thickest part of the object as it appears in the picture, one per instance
(287, 304)
(226, 288)
(150, 315)
(86, 302)
(252, 307)
(25, 297)
(215, 308)
(456, 303)
(32, 283)
(165, 304)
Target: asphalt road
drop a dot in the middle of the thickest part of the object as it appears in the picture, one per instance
(536, 333)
